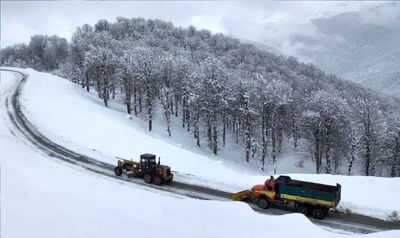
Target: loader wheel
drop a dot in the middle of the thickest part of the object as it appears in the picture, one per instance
(263, 203)
(168, 181)
(148, 178)
(136, 173)
(303, 210)
(118, 171)
(319, 213)
(157, 180)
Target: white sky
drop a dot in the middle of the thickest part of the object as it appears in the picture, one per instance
(263, 21)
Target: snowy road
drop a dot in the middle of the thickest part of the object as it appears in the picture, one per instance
(23, 129)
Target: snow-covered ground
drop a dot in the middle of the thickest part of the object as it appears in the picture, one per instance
(69, 115)
(42, 197)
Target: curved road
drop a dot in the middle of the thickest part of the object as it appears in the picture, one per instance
(338, 222)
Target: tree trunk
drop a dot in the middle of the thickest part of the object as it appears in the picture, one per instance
(171, 105)
(224, 131)
(112, 89)
(264, 141)
(352, 158)
(169, 131)
(140, 102)
(87, 81)
(98, 82)
(209, 132)
(105, 101)
(176, 107)
(134, 101)
(367, 157)
(128, 107)
(83, 82)
(328, 159)
(149, 109)
(215, 138)
(197, 129)
(237, 131)
(128, 95)
(397, 156)
(187, 114)
(247, 133)
(328, 149)
(183, 113)
(317, 153)
(273, 140)
(105, 92)
(280, 138)
(367, 154)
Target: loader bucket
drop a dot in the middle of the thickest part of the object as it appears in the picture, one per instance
(241, 196)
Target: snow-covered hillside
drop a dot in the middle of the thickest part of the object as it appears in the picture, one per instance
(70, 116)
(78, 204)
(356, 48)
(381, 73)
(227, 94)
(53, 195)
(42, 197)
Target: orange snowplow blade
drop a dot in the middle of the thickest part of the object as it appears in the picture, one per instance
(242, 195)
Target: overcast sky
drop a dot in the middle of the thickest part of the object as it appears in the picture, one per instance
(271, 23)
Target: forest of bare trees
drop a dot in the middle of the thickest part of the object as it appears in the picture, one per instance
(221, 88)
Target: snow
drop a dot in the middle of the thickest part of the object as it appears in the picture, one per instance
(52, 200)
(76, 119)
(62, 111)
(42, 197)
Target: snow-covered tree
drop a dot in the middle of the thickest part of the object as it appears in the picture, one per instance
(223, 88)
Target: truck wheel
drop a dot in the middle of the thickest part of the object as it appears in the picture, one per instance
(157, 180)
(148, 178)
(118, 171)
(263, 203)
(303, 210)
(318, 213)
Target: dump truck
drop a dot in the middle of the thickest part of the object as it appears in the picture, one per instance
(147, 168)
(305, 197)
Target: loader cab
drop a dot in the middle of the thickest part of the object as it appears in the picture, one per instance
(147, 162)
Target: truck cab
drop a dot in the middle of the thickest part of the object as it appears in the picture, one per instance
(266, 190)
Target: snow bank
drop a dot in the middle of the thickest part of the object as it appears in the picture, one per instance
(42, 197)
(67, 114)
